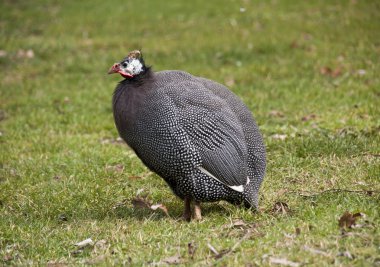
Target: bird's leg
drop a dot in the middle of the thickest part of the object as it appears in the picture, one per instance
(187, 212)
(197, 211)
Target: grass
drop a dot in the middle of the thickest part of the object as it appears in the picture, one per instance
(308, 70)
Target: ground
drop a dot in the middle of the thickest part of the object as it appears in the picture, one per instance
(308, 70)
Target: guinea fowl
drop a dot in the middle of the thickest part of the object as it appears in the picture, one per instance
(193, 132)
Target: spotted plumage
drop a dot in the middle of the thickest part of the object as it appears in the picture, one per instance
(193, 132)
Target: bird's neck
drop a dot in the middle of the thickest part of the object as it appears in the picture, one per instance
(142, 79)
(128, 100)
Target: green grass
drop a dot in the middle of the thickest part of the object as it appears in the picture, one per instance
(58, 183)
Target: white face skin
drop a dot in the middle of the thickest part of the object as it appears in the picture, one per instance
(131, 66)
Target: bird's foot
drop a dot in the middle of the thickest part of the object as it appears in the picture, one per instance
(187, 211)
(186, 216)
(197, 211)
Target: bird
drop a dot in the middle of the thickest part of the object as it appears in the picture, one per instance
(193, 132)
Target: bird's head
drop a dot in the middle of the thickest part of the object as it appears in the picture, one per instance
(130, 66)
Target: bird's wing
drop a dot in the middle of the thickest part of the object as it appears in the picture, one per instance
(216, 132)
(255, 144)
(221, 146)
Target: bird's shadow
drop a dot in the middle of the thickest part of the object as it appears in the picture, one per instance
(174, 211)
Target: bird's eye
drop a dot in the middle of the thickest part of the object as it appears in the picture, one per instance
(124, 64)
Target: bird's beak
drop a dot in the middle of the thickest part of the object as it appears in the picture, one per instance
(114, 69)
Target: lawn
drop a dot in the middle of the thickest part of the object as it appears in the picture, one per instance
(308, 70)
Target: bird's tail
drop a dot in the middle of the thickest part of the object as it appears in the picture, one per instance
(250, 196)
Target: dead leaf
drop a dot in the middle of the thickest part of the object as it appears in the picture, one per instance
(62, 217)
(213, 250)
(3, 115)
(25, 53)
(107, 140)
(298, 231)
(3, 53)
(95, 261)
(161, 207)
(327, 71)
(314, 126)
(280, 207)
(173, 260)
(239, 224)
(364, 116)
(101, 245)
(77, 252)
(7, 257)
(279, 136)
(121, 203)
(134, 177)
(139, 191)
(361, 72)
(85, 243)
(276, 113)
(294, 44)
(66, 100)
(11, 252)
(340, 58)
(218, 255)
(56, 264)
(360, 183)
(118, 168)
(346, 254)
(139, 202)
(316, 251)
(311, 48)
(222, 253)
(308, 117)
(282, 261)
(191, 249)
(348, 220)
(13, 172)
(229, 81)
(307, 36)
(289, 237)
(337, 72)
(281, 192)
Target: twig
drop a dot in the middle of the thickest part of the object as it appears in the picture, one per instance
(246, 236)
(235, 246)
(334, 190)
(371, 154)
(213, 250)
(218, 256)
(316, 251)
